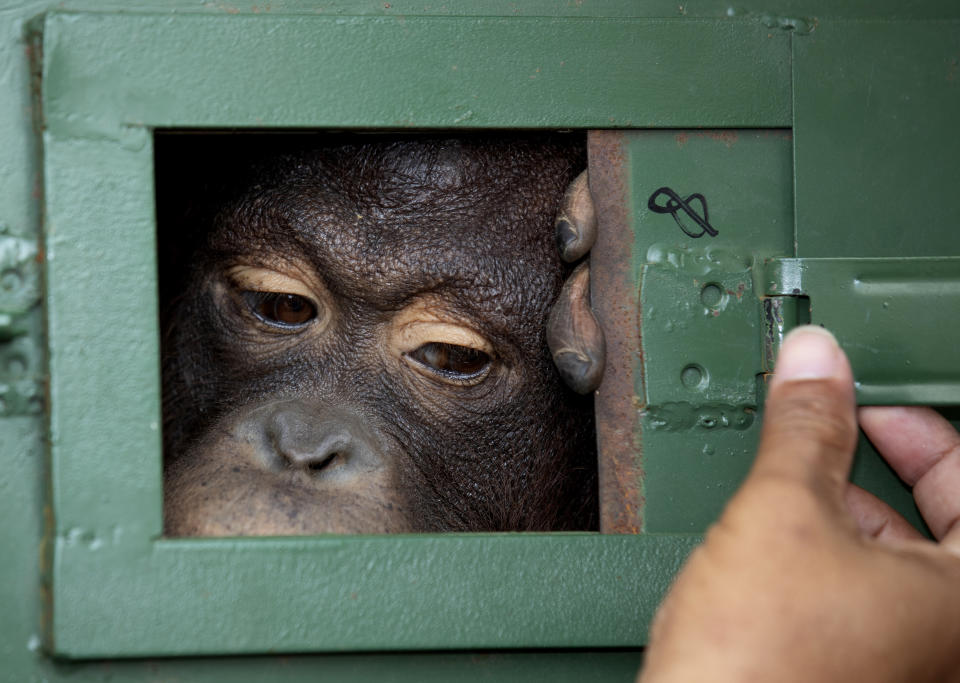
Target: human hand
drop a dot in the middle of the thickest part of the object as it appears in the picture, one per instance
(807, 578)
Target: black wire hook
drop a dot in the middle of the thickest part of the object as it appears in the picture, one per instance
(675, 203)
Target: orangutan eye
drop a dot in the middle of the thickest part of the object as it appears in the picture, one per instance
(282, 310)
(451, 361)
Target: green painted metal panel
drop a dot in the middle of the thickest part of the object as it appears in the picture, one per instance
(113, 577)
(103, 340)
(698, 435)
(105, 72)
(705, 328)
(112, 596)
(700, 311)
(875, 111)
(876, 107)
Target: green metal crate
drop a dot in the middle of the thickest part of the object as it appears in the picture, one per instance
(811, 135)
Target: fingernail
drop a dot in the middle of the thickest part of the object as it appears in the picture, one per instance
(565, 234)
(809, 352)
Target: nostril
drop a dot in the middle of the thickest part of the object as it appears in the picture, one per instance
(330, 444)
(318, 464)
(314, 456)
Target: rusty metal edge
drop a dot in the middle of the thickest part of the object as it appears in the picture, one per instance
(615, 301)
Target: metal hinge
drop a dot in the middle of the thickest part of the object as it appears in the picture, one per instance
(712, 322)
(19, 321)
(898, 319)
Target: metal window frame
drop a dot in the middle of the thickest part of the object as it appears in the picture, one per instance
(107, 81)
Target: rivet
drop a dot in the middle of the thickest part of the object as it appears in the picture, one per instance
(16, 366)
(711, 295)
(10, 280)
(694, 377)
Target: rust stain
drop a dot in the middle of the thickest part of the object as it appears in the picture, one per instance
(727, 137)
(682, 139)
(738, 292)
(616, 304)
(224, 7)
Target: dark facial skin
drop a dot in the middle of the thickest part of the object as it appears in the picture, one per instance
(360, 348)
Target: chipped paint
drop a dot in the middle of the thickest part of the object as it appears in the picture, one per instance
(680, 416)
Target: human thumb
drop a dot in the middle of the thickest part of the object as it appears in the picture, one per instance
(809, 424)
